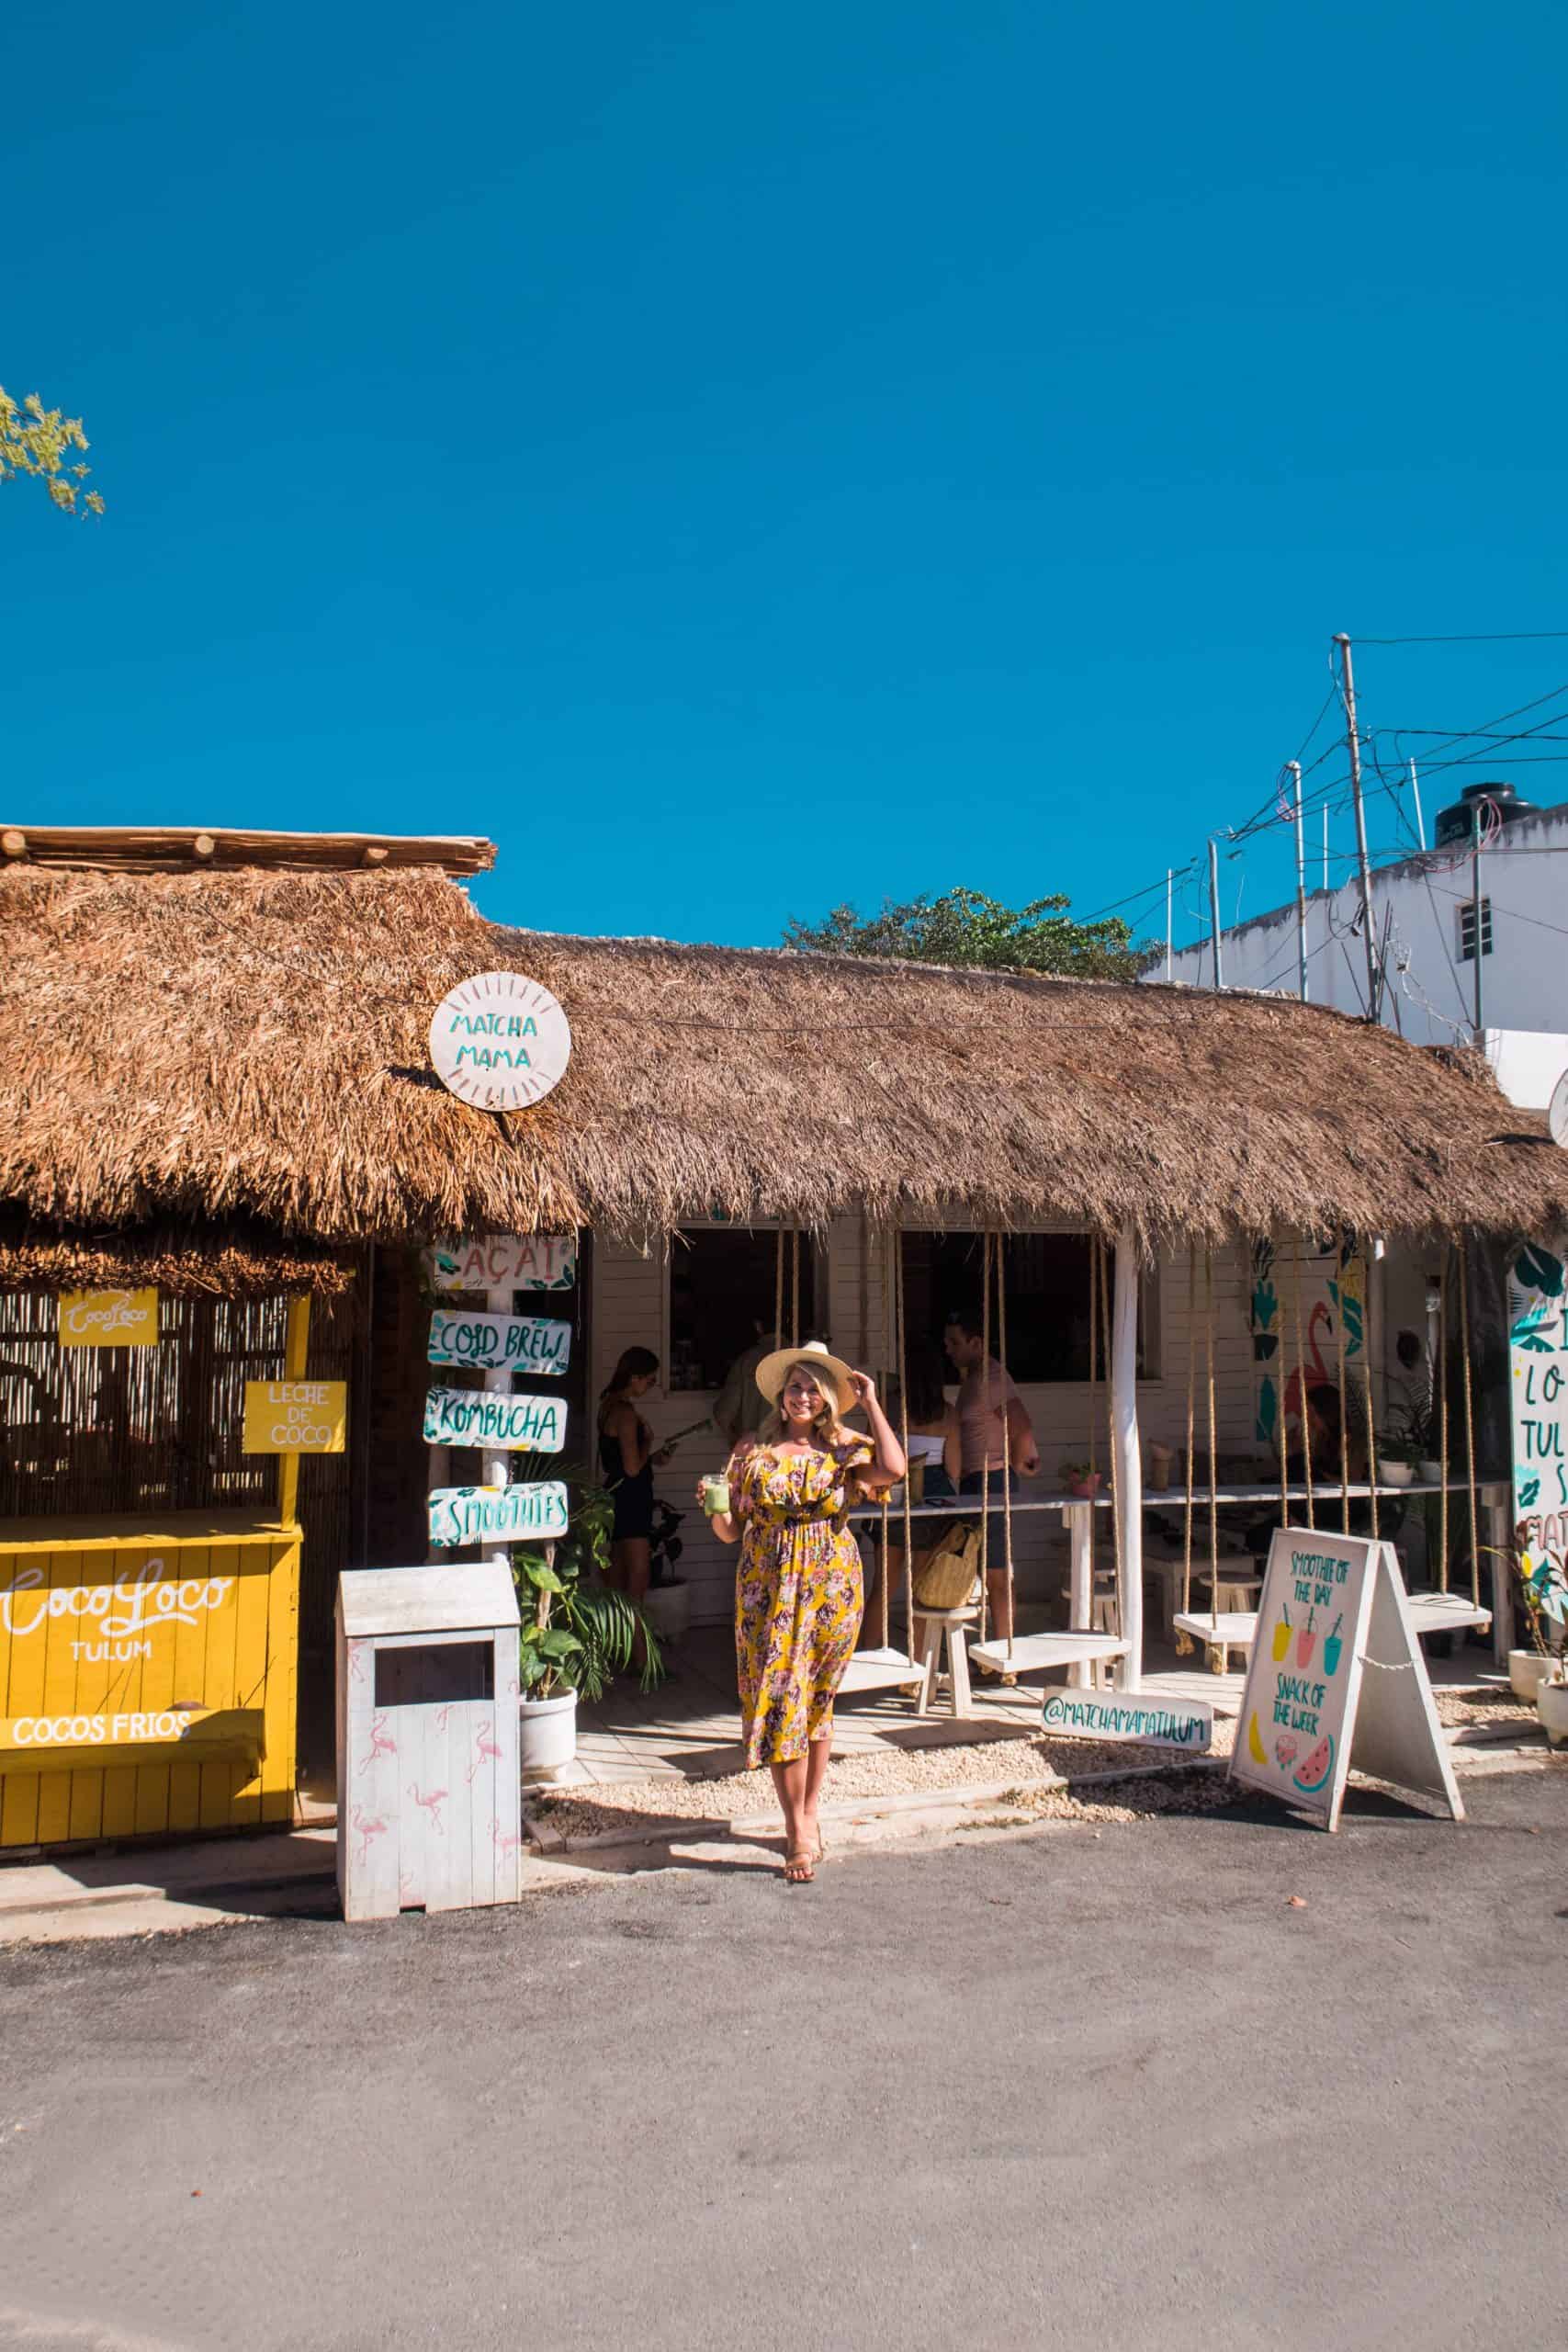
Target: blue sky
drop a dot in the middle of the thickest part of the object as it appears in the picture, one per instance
(743, 459)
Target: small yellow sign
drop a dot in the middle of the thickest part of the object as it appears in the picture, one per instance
(108, 1318)
(295, 1416)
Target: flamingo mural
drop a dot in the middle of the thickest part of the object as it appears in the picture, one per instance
(430, 1803)
(366, 1826)
(484, 1746)
(503, 1841)
(381, 1743)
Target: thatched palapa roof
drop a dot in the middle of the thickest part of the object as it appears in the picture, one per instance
(253, 1045)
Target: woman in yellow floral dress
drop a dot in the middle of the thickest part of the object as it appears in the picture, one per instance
(799, 1595)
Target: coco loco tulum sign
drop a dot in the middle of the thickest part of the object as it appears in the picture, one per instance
(499, 1041)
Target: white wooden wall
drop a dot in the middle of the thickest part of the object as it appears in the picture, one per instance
(630, 1309)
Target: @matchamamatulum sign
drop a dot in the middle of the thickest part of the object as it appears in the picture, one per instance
(499, 1041)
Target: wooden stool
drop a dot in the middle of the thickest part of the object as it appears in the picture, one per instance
(946, 1624)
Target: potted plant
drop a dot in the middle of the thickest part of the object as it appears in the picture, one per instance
(1405, 1443)
(575, 1636)
(1079, 1479)
(1541, 1672)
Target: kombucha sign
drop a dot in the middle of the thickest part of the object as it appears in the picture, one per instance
(108, 1318)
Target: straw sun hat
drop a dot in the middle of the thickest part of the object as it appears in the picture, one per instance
(831, 1370)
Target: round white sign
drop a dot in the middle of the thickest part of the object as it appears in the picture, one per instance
(1557, 1114)
(499, 1041)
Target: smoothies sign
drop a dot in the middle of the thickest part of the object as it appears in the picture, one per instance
(499, 1041)
(497, 1514)
(108, 1318)
(1336, 1678)
(1538, 1367)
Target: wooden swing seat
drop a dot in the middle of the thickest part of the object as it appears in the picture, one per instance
(883, 1669)
(1232, 1629)
(1037, 1653)
(1446, 1612)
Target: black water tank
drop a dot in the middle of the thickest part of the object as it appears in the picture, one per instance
(1455, 824)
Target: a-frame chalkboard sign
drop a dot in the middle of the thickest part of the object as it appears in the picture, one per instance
(1336, 1679)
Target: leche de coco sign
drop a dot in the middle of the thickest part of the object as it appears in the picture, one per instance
(499, 1041)
(295, 1416)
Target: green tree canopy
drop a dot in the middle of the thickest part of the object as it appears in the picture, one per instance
(36, 440)
(966, 927)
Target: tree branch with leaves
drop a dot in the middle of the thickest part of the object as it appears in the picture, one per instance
(964, 927)
(38, 440)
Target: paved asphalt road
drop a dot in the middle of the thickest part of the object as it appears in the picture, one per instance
(1056, 2089)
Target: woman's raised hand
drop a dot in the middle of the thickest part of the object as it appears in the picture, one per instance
(863, 1387)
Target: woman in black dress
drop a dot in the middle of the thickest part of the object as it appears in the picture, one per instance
(626, 1459)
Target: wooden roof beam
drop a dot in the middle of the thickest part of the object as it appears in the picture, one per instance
(150, 849)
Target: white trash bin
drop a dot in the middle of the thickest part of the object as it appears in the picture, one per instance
(429, 1812)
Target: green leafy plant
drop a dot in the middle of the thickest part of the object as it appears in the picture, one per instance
(578, 1636)
(1408, 1433)
(966, 927)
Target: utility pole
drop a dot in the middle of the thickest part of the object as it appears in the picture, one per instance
(1214, 910)
(1347, 685)
(1475, 808)
(1169, 877)
(1420, 821)
(1295, 768)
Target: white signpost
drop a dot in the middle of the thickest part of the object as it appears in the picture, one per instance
(498, 1514)
(1145, 1722)
(503, 1261)
(483, 1416)
(510, 1343)
(1336, 1677)
(499, 1041)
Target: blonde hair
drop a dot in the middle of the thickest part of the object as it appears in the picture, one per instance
(826, 1426)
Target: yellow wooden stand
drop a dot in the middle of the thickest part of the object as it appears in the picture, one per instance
(148, 1669)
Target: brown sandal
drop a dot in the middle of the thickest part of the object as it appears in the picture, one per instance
(800, 1868)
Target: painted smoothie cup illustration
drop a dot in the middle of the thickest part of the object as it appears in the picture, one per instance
(1333, 1648)
(1306, 1642)
(1281, 1636)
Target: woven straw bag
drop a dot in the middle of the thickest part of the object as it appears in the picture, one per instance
(946, 1576)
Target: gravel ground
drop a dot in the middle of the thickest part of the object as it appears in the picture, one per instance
(1036, 1771)
(1487, 1703)
(1036, 1767)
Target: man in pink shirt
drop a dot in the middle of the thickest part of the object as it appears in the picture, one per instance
(992, 1429)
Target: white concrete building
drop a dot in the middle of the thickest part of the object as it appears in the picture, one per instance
(1423, 931)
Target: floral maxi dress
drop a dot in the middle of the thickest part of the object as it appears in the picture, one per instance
(799, 1595)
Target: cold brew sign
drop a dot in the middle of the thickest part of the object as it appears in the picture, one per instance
(499, 1041)
(504, 1342)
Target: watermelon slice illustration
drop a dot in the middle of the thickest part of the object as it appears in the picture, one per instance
(1316, 1773)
